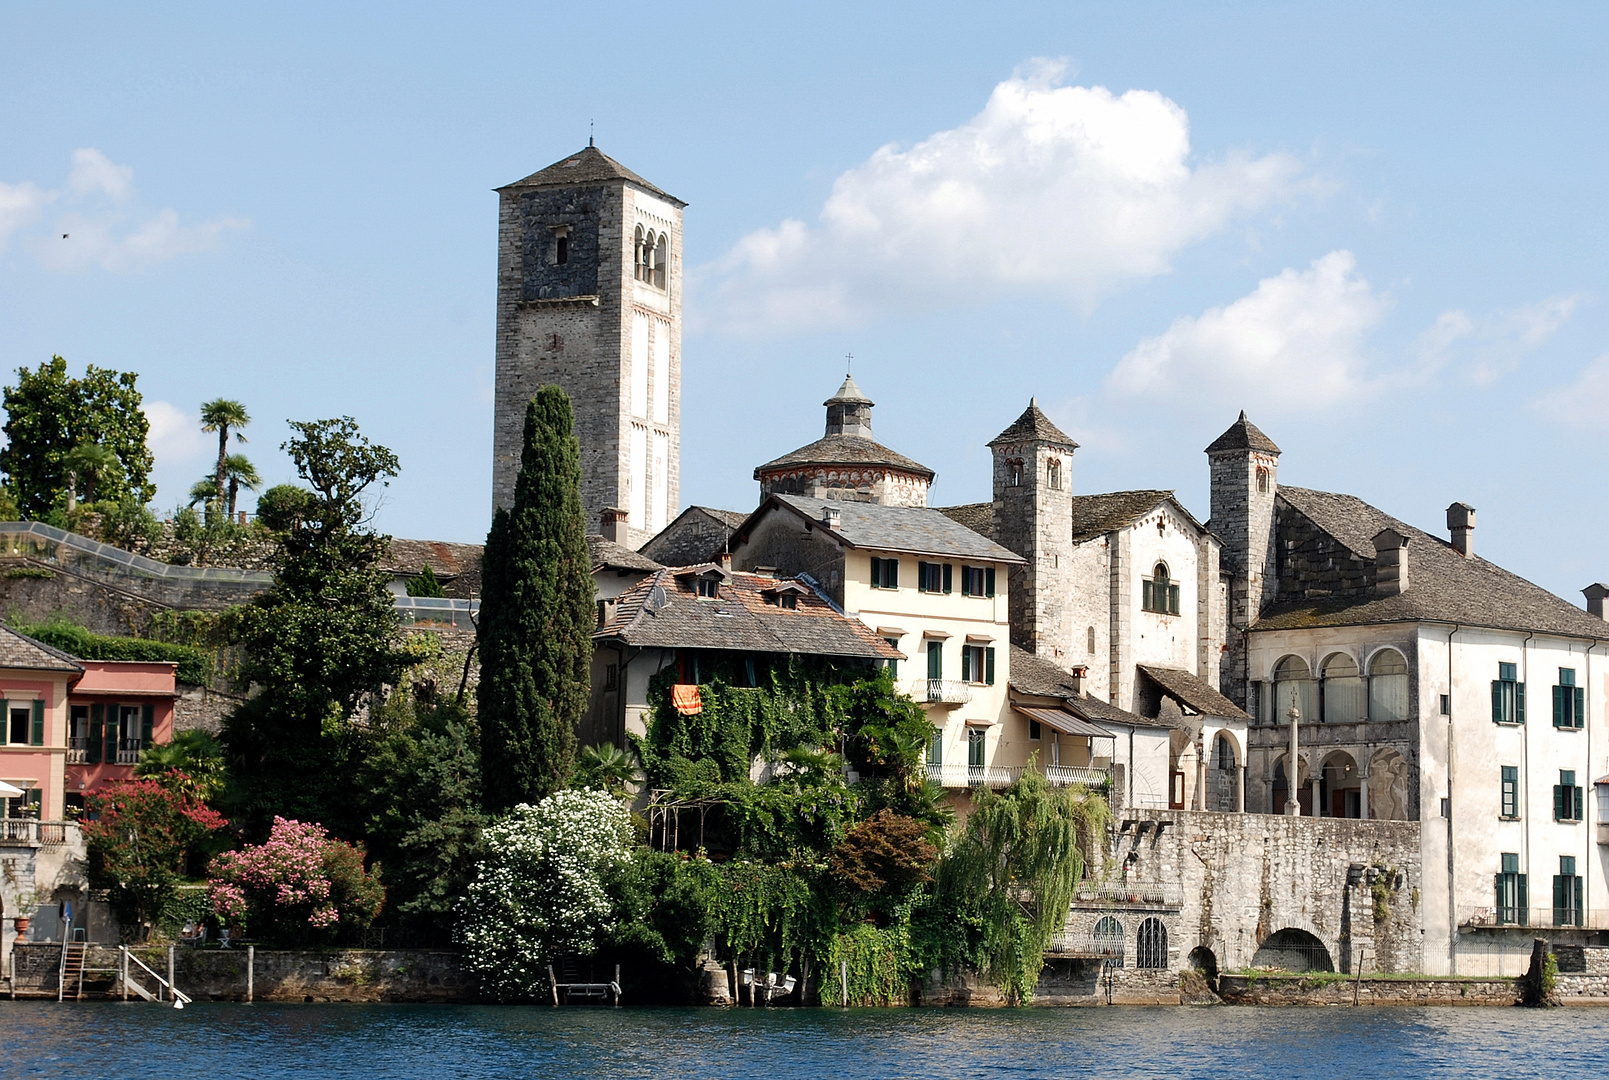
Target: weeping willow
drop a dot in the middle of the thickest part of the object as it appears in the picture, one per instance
(1014, 869)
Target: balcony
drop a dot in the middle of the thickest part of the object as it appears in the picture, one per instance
(1001, 776)
(77, 750)
(30, 832)
(1084, 946)
(128, 755)
(1535, 918)
(1077, 776)
(941, 691)
(1148, 895)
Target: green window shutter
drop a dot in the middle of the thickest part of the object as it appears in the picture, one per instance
(1580, 806)
(148, 714)
(891, 573)
(988, 666)
(97, 733)
(1558, 706)
(1525, 899)
(935, 660)
(1145, 596)
(1558, 802)
(1580, 706)
(921, 577)
(1519, 703)
(37, 730)
(966, 663)
(988, 581)
(947, 569)
(1561, 899)
(1173, 599)
(1497, 880)
(1497, 701)
(877, 571)
(1580, 907)
(5, 722)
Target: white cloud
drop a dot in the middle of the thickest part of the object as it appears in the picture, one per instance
(90, 232)
(175, 435)
(1295, 343)
(93, 171)
(1585, 402)
(1066, 190)
(1487, 348)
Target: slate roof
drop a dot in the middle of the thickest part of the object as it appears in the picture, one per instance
(19, 652)
(917, 530)
(1093, 515)
(586, 166)
(457, 566)
(845, 450)
(1033, 424)
(698, 534)
(1031, 674)
(608, 555)
(664, 611)
(849, 394)
(1243, 435)
(1443, 586)
(1194, 691)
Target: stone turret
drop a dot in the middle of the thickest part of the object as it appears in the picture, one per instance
(849, 412)
(1033, 493)
(1245, 481)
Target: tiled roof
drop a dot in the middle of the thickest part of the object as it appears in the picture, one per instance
(845, 450)
(1243, 435)
(1093, 515)
(1033, 424)
(664, 611)
(1031, 674)
(979, 517)
(587, 166)
(1443, 586)
(608, 555)
(1194, 691)
(917, 530)
(19, 652)
(456, 565)
(698, 534)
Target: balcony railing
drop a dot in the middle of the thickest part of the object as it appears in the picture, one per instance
(999, 776)
(1085, 946)
(941, 691)
(33, 833)
(128, 755)
(1070, 775)
(1533, 918)
(1131, 894)
(77, 750)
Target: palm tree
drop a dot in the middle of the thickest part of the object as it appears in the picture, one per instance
(223, 416)
(241, 474)
(202, 491)
(88, 463)
(609, 767)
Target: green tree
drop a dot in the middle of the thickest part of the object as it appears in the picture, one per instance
(88, 465)
(48, 414)
(239, 473)
(138, 835)
(536, 616)
(320, 642)
(223, 416)
(424, 583)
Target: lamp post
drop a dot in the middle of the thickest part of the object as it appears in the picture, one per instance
(1293, 802)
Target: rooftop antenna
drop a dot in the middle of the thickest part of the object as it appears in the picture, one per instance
(589, 133)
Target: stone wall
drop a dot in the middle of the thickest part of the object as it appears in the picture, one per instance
(1296, 990)
(83, 600)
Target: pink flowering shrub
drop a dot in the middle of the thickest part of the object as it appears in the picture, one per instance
(301, 884)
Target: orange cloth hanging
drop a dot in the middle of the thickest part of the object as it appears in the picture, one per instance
(685, 697)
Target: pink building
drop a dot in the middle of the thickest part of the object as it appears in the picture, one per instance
(115, 711)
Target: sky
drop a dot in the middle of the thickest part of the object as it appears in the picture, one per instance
(1377, 228)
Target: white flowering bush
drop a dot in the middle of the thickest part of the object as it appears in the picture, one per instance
(539, 890)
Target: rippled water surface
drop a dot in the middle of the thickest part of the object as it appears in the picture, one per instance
(211, 1042)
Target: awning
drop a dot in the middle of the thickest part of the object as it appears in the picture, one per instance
(9, 792)
(1064, 722)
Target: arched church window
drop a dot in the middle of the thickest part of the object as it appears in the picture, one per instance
(1262, 480)
(1158, 593)
(661, 260)
(1053, 474)
(637, 259)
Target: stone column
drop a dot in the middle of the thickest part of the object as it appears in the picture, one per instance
(1293, 768)
(1240, 789)
(1200, 800)
(1363, 791)
(1318, 778)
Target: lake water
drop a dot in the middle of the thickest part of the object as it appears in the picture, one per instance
(267, 1042)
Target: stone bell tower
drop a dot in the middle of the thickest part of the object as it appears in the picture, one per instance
(589, 296)
(1033, 516)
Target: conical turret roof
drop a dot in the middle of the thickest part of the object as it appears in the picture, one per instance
(1243, 435)
(849, 394)
(1033, 424)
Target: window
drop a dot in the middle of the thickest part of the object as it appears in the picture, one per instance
(709, 588)
(935, 659)
(1341, 691)
(1568, 908)
(1254, 701)
(1036, 730)
(25, 722)
(893, 665)
(1567, 798)
(1053, 474)
(1014, 472)
(561, 249)
(1092, 641)
(1508, 697)
(1109, 940)
(885, 573)
(1292, 683)
(1151, 945)
(1388, 687)
(611, 676)
(1511, 792)
(977, 664)
(976, 740)
(661, 260)
(933, 577)
(1158, 594)
(935, 748)
(1569, 701)
(639, 259)
(788, 600)
(1511, 898)
(1262, 480)
(977, 581)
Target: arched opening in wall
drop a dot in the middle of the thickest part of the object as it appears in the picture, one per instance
(1340, 786)
(1223, 778)
(1293, 950)
(1203, 960)
(1388, 686)
(1053, 474)
(1304, 790)
(1108, 938)
(638, 259)
(1340, 690)
(1014, 472)
(1159, 593)
(1262, 480)
(1293, 682)
(1388, 786)
(661, 260)
(1151, 945)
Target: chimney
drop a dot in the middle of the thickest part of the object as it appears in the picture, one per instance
(831, 517)
(614, 521)
(724, 561)
(1080, 673)
(1461, 522)
(1390, 563)
(1595, 594)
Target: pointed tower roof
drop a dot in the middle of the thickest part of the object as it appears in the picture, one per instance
(849, 394)
(1243, 435)
(1033, 424)
(587, 166)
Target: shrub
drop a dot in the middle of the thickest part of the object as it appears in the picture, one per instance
(138, 834)
(540, 889)
(301, 885)
(195, 665)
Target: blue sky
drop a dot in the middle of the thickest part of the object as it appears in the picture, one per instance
(1380, 230)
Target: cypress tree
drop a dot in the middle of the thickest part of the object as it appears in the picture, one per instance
(536, 616)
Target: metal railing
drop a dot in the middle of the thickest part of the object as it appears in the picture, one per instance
(1550, 917)
(941, 691)
(1085, 946)
(1142, 894)
(999, 776)
(35, 833)
(1071, 775)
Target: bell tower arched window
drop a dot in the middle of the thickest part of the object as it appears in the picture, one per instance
(661, 260)
(1158, 593)
(1053, 474)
